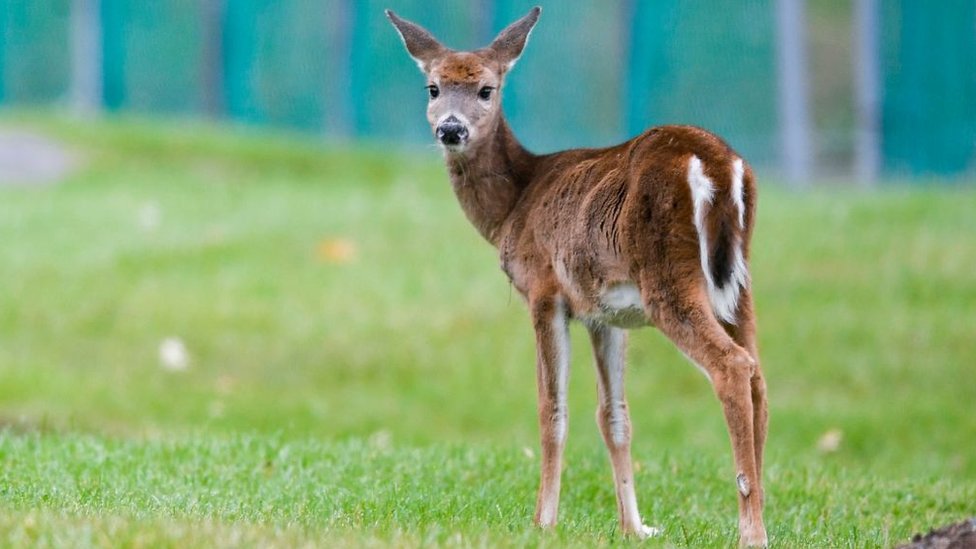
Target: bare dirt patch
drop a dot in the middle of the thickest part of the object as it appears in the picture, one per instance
(30, 159)
(954, 536)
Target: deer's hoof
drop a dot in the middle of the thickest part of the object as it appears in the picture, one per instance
(643, 531)
(754, 539)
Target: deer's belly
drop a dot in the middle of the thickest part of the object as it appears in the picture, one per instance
(617, 305)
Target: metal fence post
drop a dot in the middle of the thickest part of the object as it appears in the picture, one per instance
(86, 56)
(794, 102)
(340, 111)
(628, 103)
(212, 57)
(867, 145)
(3, 50)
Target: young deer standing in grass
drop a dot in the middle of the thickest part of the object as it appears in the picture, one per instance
(654, 231)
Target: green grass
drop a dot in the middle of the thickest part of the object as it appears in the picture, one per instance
(389, 399)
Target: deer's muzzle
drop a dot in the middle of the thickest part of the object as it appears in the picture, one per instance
(452, 132)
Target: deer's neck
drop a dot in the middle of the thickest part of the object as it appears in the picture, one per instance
(489, 179)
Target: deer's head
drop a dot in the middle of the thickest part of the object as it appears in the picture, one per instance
(464, 88)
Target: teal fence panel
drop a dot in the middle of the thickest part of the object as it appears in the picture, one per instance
(388, 87)
(151, 55)
(4, 7)
(594, 72)
(929, 112)
(565, 90)
(278, 61)
(163, 44)
(709, 64)
(36, 65)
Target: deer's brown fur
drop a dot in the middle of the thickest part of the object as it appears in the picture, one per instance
(648, 232)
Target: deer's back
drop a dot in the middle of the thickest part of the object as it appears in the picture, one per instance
(598, 225)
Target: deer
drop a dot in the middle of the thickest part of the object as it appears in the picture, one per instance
(654, 232)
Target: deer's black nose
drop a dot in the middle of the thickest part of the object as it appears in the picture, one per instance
(452, 131)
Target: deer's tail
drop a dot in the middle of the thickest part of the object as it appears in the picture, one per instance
(720, 217)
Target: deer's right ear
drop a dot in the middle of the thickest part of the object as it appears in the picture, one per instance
(421, 45)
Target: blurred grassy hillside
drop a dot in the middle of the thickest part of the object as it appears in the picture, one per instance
(334, 301)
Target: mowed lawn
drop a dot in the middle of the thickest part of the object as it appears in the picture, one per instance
(361, 373)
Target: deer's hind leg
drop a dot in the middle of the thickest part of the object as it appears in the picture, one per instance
(613, 418)
(684, 315)
(744, 333)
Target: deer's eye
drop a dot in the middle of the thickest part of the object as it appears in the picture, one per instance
(485, 92)
(434, 91)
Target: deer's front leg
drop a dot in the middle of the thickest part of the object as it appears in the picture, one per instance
(549, 317)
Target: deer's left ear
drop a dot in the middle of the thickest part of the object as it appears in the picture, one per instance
(509, 43)
(421, 45)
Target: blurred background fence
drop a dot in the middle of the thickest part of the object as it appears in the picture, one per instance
(818, 89)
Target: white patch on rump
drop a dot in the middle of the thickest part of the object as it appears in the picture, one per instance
(702, 190)
(737, 191)
(724, 300)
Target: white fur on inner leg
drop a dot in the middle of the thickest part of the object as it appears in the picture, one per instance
(549, 500)
(613, 401)
(561, 337)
